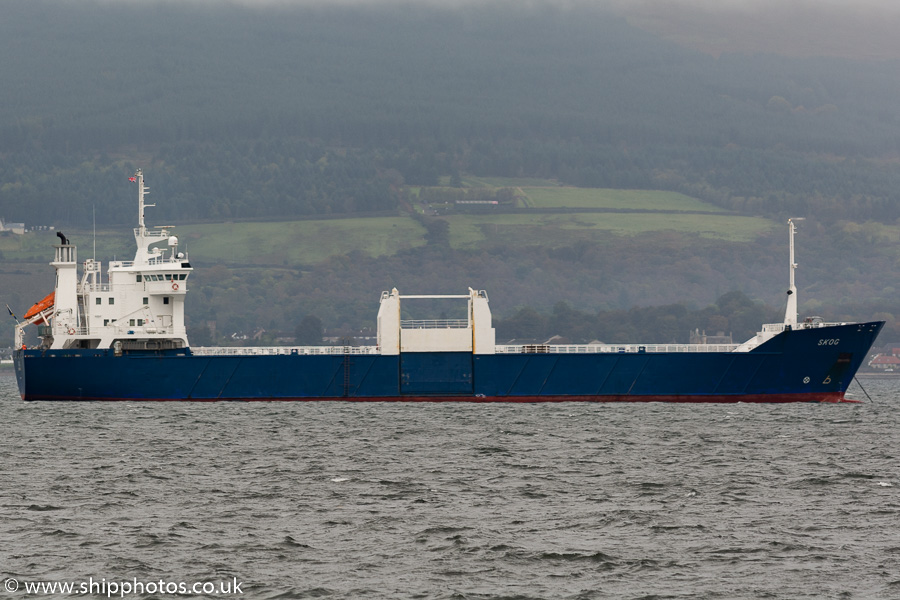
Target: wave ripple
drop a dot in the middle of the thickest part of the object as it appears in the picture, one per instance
(335, 500)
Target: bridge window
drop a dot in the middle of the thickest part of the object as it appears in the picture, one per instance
(182, 276)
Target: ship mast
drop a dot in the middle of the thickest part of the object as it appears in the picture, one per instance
(142, 189)
(142, 237)
(790, 313)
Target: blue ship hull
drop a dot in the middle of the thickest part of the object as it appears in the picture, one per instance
(816, 364)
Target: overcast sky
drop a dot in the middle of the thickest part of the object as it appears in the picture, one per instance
(886, 5)
(858, 7)
(860, 29)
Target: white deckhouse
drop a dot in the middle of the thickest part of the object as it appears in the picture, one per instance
(139, 306)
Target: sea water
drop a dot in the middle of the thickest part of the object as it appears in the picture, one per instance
(393, 500)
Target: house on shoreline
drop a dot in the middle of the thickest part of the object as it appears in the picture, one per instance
(888, 360)
(17, 228)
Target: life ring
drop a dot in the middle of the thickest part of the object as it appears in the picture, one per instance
(175, 286)
(71, 331)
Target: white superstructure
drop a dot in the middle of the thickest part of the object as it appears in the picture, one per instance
(140, 304)
(473, 334)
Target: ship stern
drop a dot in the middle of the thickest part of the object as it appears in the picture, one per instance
(19, 365)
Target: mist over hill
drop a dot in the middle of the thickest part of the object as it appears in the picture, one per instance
(215, 94)
(864, 29)
(286, 110)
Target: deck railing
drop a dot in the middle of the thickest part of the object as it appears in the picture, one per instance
(612, 348)
(434, 324)
(519, 349)
(282, 350)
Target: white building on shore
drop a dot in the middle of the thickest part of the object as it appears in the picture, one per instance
(18, 228)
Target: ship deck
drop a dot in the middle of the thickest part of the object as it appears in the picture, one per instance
(498, 349)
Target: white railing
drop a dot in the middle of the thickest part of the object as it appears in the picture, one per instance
(163, 260)
(612, 348)
(93, 287)
(817, 325)
(282, 350)
(434, 324)
(499, 349)
(149, 233)
(151, 260)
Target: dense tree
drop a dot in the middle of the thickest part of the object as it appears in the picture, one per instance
(438, 232)
(309, 331)
(260, 113)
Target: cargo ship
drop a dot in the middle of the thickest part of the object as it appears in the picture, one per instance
(122, 337)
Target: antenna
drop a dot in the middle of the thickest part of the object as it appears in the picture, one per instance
(94, 213)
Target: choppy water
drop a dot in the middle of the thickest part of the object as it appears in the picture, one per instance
(339, 500)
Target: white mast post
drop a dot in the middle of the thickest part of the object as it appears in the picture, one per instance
(139, 174)
(141, 237)
(790, 313)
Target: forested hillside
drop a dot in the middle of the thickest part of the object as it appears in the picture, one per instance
(283, 112)
(274, 111)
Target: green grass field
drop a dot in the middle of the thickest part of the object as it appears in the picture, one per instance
(299, 242)
(312, 241)
(501, 182)
(287, 242)
(309, 242)
(545, 193)
(570, 197)
(471, 231)
(38, 246)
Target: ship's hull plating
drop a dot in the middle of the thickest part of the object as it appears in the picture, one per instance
(804, 365)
